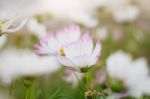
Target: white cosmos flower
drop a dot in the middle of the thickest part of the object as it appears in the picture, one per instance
(126, 14)
(122, 10)
(35, 27)
(80, 11)
(53, 43)
(9, 24)
(135, 74)
(16, 63)
(102, 33)
(81, 53)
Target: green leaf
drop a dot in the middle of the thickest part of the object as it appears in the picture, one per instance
(54, 95)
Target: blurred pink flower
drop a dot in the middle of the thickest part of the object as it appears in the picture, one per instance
(72, 49)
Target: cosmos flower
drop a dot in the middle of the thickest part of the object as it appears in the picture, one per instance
(8, 24)
(72, 49)
(134, 73)
(16, 63)
(81, 53)
(36, 28)
(126, 14)
(52, 44)
(80, 11)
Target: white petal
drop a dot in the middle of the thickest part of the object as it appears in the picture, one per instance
(95, 54)
(80, 61)
(10, 30)
(73, 49)
(48, 45)
(96, 51)
(53, 43)
(69, 34)
(83, 46)
(87, 44)
(66, 62)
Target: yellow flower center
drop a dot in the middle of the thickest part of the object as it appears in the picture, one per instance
(61, 51)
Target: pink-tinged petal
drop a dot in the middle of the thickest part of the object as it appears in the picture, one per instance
(95, 54)
(68, 34)
(41, 50)
(83, 46)
(53, 43)
(48, 45)
(66, 62)
(87, 44)
(68, 71)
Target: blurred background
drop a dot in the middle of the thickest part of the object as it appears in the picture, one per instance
(122, 26)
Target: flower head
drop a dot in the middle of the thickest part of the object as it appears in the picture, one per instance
(81, 53)
(72, 49)
(134, 73)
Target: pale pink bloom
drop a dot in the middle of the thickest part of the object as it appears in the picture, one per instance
(52, 44)
(81, 53)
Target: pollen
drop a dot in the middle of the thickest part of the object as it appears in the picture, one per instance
(62, 52)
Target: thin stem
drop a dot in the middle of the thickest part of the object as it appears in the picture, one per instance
(28, 93)
(11, 89)
(87, 81)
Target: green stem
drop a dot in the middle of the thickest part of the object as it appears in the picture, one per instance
(11, 89)
(87, 81)
(30, 89)
(30, 93)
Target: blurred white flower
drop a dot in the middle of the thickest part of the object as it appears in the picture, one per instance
(118, 64)
(126, 14)
(122, 10)
(73, 77)
(135, 73)
(3, 40)
(53, 43)
(8, 24)
(76, 10)
(80, 11)
(115, 4)
(102, 33)
(16, 63)
(35, 27)
(81, 53)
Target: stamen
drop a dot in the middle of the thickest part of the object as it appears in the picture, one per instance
(62, 52)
